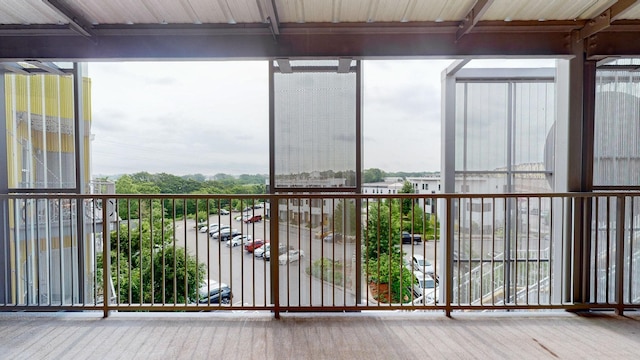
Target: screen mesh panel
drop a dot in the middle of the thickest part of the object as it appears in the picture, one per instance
(616, 158)
(315, 129)
(502, 134)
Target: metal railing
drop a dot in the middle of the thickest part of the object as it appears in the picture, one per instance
(327, 252)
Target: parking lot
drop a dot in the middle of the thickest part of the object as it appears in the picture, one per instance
(250, 277)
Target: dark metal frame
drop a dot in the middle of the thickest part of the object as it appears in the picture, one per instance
(215, 41)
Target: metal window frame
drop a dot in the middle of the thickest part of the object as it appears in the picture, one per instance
(78, 71)
(285, 66)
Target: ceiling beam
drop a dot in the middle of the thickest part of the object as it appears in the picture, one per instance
(76, 23)
(257, 43)
(610, 43)
(14, 68)
(48, 67)
(272, 17)
(604, 20)
(472, 17)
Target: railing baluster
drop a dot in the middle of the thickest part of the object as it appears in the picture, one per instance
(539, 259)
(619, 261)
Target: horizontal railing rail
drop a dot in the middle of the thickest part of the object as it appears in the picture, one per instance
(320, 252)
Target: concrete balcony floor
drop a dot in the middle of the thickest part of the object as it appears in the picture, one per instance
(367, 335)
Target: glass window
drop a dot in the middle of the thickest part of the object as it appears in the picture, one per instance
(40, 131)
(315, 128)
(616, 160)
(502, 129)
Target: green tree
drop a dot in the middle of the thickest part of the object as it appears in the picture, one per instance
(222, 176)
(133, 184)
(390, 269)
(146, 183)
(407, 188)
(383, 262)
(382, 232)
(345, 221)
(196, 177)
(373, 175)
(177, 274)
(147, 267)
(415, 221)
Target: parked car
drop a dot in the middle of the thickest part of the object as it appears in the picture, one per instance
(210, 283)
(425, 288)
(422, 265)
(238, 240)
(333, 237)
(223, 212)
(254, 245)
(204, 227)
(408, 238)
(215, 293)
(259, 252)
(242, 217)
(217, 228)
(225, 234)
(267, 254)
(266, 248)
(255, 218)
(290, 256)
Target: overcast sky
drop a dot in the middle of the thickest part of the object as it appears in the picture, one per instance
(212, 117)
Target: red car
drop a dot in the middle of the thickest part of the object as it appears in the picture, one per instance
(254, 245)
(256, 218)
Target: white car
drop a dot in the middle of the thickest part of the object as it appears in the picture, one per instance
(290, 256)
(259, 252)
(425, 288)
(239, 240)
(210, 228)
(217, 229)
(242, 217)
(422, 265)
(209, 284)
(265, 251)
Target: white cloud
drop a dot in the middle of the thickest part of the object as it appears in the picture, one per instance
(212, 117)
(180, 118)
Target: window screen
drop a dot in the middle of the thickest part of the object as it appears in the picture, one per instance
(616, 160)
(315, 127)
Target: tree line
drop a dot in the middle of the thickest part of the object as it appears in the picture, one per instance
(146, 183)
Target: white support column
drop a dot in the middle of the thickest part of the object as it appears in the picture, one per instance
(561, 235)
(4, 204)
(447, 175)
(82, 182)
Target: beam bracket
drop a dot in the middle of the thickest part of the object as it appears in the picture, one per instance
(604, 20)
(473, 16)
(76, 23)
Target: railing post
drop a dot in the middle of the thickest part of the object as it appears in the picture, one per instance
(106, 260)
(358, 249)
(81, 250)
(448, 268)
(619, 265)
(5, 268)
(274, 233)
(579, 237)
